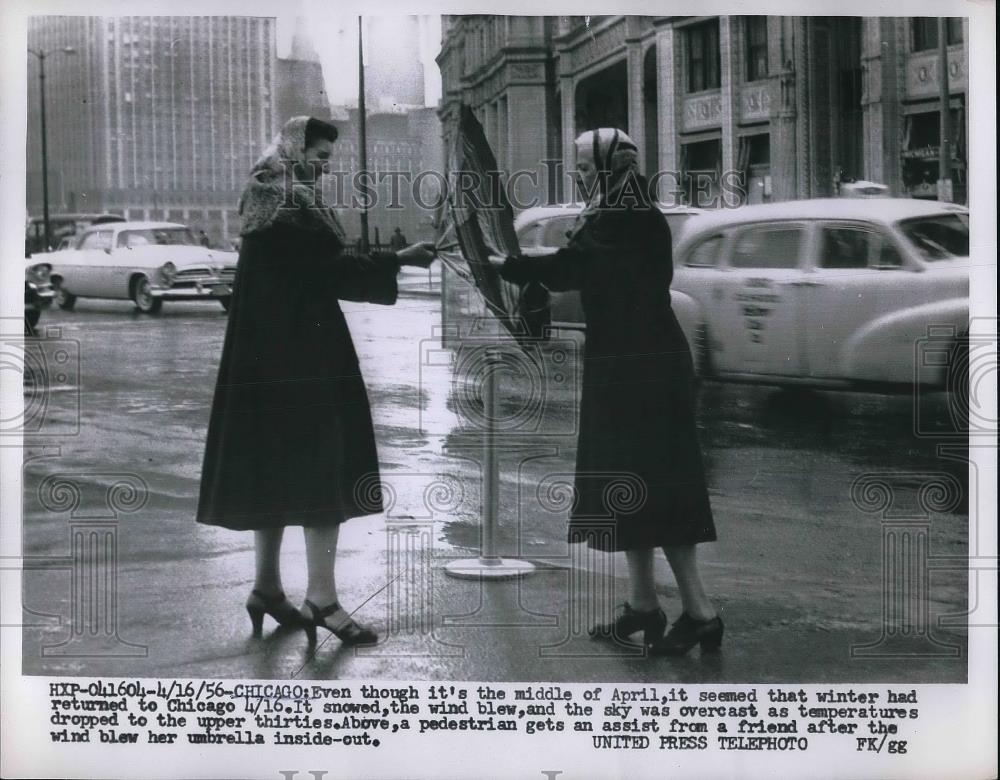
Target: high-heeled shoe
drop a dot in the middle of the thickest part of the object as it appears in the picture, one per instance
(278, 607)
(685, 633)
(351, 633)
(651, 622)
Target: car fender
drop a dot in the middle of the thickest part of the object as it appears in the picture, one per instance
(62, 265)
(886, 348)
(691, 315)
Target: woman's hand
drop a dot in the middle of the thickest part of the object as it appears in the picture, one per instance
(513, 269)
(421, 254)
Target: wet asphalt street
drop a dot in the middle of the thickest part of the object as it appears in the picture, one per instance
(806, 566)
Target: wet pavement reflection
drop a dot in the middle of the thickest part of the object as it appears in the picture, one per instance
(799, 557)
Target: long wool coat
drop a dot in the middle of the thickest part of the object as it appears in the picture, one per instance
(290, 439)
(640, 480)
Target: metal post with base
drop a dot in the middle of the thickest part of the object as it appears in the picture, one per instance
(489, 565)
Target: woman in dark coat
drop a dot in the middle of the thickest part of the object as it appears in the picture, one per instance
(638, 455)
(290, 439)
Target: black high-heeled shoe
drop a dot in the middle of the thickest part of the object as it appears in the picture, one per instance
(651, 622)
(352, 633)
(685, 633)
(278, 607)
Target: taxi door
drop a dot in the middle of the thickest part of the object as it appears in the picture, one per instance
(758, 301)
(862, 276)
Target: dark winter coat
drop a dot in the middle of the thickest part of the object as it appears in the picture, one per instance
(640, 480)
(290, 439)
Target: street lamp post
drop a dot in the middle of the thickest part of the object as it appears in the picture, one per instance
(41, 55)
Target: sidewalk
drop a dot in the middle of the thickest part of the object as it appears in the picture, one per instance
(797, 572)
(187, 613)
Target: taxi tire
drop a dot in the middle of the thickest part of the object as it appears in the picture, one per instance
(65, 300)
(146, 304)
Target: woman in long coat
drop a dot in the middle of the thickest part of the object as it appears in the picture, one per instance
(638, 457)
(290, 439)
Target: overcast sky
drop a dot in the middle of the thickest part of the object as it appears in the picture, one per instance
(335, 39)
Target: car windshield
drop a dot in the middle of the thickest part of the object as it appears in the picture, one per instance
(940, 237)
(161, 236)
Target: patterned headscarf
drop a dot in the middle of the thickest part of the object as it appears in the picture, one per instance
(615, 157)
(274, 194)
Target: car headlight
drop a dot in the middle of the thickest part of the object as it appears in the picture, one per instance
(167, 273)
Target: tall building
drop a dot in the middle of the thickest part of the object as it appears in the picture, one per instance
(794, 105)
(300, 88)
(401, 144)
(394, 73)
(157, 117)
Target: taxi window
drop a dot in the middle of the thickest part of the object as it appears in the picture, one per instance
(99, 239)
(846, 247)
(768, 246)
(887, 257)
(528, 236)
(856, 247)
(556, 231)
(938, 237)
(706, 253)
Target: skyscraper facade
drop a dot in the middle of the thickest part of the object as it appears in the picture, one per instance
(156, 117)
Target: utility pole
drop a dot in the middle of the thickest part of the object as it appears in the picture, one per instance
(945, 191)
(45, 150)
(41, 55)
(362, 135)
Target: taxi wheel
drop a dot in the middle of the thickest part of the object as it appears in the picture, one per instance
(65, 300)
(226, 301)
(143, 297)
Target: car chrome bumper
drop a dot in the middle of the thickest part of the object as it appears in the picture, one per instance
(193, 292)
(43, 291)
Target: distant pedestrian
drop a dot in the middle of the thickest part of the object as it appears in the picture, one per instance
(397, 240)
(638, 457)
(290, 438)
(204, 240)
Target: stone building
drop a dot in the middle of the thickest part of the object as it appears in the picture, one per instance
(791, 105)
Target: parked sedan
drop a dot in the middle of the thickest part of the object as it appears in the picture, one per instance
(836, 293)
(146, 262)
(544, 229)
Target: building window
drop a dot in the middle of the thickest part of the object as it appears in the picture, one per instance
(703, 57)
(925, 32)
(701, 170)
(754, 165)
(756, 38)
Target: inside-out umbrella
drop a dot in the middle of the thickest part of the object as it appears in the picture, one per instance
(478, 224)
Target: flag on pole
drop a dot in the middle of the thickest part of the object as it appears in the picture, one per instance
(479, 223)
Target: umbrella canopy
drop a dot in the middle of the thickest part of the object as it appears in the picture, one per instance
(479, 223)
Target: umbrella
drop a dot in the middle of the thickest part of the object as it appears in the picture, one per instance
(479, 223)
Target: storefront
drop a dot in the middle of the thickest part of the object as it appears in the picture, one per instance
(921, 150)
